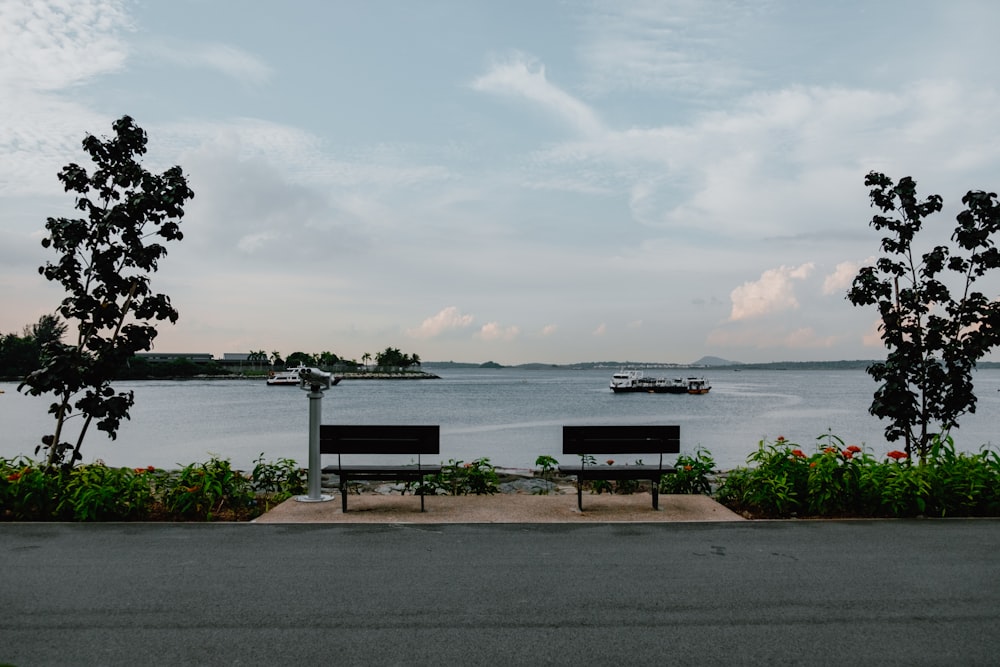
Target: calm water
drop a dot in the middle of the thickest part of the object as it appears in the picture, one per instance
(511, 416)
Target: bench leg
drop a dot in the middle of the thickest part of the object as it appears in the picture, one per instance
(343, 495)
(421, 500)
(656, 494)
(579, 494)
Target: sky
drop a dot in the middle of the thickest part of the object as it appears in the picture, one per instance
(515, 181)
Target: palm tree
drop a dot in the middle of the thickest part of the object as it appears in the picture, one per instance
(257, 357)
(365, 358)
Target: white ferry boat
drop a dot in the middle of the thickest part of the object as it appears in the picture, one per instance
(290, 376)
(630, 381)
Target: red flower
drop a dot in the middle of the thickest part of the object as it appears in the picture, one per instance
(896, 454)
(611, 462)
(854, 449)
(812, 465)
(830, 450)
(687, 467)
(139, 470)
(13, 477)
(151, 468)
(848, 453)
(781, 438)
(798, 453)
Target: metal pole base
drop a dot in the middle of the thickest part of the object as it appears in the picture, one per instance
(323, 498)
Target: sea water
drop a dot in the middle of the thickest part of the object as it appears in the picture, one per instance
(510, 416)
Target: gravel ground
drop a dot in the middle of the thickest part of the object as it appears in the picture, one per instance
(557, 507)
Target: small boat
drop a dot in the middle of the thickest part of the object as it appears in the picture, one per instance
(698, 386)
(630, 381)
(290, 376)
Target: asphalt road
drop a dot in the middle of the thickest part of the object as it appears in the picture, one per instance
(774, 593)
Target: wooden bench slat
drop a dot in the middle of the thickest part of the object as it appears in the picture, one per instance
(379, 439)
(665, 439)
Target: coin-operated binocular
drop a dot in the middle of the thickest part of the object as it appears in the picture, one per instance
(313, 379)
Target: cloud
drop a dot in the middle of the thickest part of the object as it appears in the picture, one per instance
(49, 45)
(873, 336)
(493, 331)
(773, 292)
(522, 77)
(770, 337)
(251, 243)
(843, 276)
(689, 47)
(549, 329)
(448, 319)
(48, 50)
(223, 58)
(601, 329)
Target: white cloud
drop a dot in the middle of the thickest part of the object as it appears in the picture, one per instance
(251, 243)
(843, 276)
(686, 46)
(47, 45)
(601, 329)
(549, 329)
(493, 331)
(522, 77)
(773, 292)
(771, 337)
(448, 319)
(223, 58)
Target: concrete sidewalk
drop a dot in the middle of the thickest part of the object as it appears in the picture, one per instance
(502, 508)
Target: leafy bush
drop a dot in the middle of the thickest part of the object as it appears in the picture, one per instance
(96, 492)
(277, 481)
(547, 466)
(27, 492)
(458, 478)
(206, 489)
(783, 481)
(693, 476)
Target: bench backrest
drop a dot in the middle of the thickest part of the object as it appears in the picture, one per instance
(379, 439)
(622, 439)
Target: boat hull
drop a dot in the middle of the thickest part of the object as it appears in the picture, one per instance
(649, 390)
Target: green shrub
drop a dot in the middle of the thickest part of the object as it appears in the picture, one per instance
(458, 478)
(95, 492)
(27, 492)
(204, 490)
(848, 481)
(547, 466)
(277, 481)
(693, 476)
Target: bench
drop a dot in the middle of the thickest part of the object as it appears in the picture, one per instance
(393, 439)
(617, 441)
